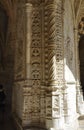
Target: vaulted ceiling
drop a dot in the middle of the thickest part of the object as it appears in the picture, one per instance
(79, 9)
(9, 6)
(77, 4)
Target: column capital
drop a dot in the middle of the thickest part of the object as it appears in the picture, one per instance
(28, 7)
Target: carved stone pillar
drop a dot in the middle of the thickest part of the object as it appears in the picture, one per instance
(27, 90)
(54, 29)
(77, 67)
(28, 10)
(53, 14)
(22, 89)
(51, 45)
(77, 56)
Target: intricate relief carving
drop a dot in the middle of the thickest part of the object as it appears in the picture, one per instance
(56, 106)
(48, 106)
(46, 46)
(36, 64)
(51, 42)
(54, 42)
(54, 64)
(53, 60)
(36, 105)
(59, 42)
(36, 50)
(27, 108)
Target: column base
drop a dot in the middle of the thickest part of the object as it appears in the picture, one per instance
(74, 125)
(55, 124)
(59, 124)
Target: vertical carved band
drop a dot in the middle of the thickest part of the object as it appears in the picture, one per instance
(36, 63)
(54, 43)
(50, 10)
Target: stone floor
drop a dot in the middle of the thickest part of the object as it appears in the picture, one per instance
(6, 120)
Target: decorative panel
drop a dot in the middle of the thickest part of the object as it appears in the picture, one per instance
(36, 64)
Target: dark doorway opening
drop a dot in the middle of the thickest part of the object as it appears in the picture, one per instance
(81, 58)
(6, 69)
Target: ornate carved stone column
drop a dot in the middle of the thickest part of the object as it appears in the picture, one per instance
(53, 14)
(28, 10)
(27, 86)
(22, 88)
(51, 45)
